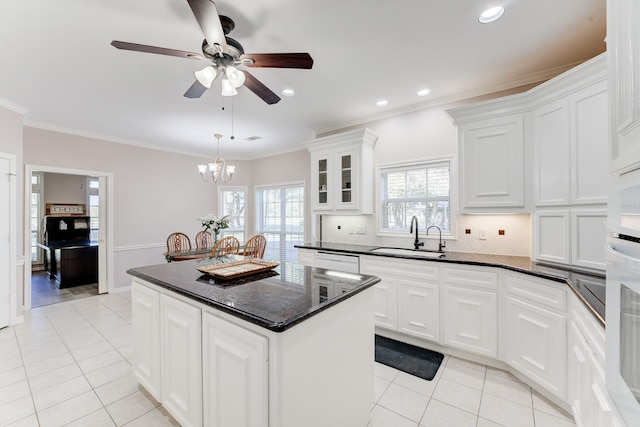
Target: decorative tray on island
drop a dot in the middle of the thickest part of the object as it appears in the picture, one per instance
(232, 270)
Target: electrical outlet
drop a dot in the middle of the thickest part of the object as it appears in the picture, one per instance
(500, 232)
(482, 234)
(361, 229)
(467, 231)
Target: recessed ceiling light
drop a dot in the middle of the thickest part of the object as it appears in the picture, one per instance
(491, 14)
(288, 92)
(382, 102)
(423, 92)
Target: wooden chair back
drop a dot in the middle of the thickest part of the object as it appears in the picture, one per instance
(178, 242)
(255, 246)
(226, 246)
(204, 240)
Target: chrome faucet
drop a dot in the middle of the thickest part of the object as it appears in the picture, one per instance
(417, 243)
(441, 244)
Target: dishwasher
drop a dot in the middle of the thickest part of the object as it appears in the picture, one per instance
(339, 262)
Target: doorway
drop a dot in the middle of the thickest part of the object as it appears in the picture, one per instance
(93, 189)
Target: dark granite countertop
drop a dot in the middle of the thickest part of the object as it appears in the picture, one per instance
(276, 300)
(587, 285)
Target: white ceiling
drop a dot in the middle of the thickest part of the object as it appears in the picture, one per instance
(57, 63)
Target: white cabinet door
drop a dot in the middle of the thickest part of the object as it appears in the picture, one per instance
(589, 119)
(623, 50)
(492, 166)
(181, 356)
(419, 311)
(552, 236)
(385, 302)
(322, 181)
(535, 344)
(589, 238)
(346, 182)
(470, 319)
(235, 373)
(552, 154)
(146, 338)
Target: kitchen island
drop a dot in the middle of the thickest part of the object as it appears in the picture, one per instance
(286, 347)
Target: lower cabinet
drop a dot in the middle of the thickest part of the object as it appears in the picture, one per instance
(407, 298)
(181, 360)
(203, 369)
(234, 369)
(145, 313)
(471, 320)
(535, 344)
(470, 310)
(587, 393)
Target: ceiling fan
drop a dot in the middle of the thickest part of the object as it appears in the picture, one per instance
(225, 54)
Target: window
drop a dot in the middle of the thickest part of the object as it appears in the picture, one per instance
(280, 218)
(36, 215)
(232, 203)
(94, 208)
(420, 189)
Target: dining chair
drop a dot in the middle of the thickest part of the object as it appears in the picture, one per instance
(226, 246)
(204, 240)
(178, 242)
(255, 246)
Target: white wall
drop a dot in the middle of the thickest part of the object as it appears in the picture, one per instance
(62, 189)
(155, 192)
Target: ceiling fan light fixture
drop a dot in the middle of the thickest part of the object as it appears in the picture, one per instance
(206, 76)
(490, 15)
(236, 77)
(227, 88)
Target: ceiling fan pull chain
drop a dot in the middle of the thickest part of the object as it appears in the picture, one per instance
(232, 104)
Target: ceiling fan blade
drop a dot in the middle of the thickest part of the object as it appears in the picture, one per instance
(260, 89)
(278, 60)
(153, 49)
(207, 16)
(195, 91)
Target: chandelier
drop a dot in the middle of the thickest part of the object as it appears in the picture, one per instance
(218, 169)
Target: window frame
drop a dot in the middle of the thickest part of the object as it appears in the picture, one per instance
(417, 164)
(293, 259)
(229, 231)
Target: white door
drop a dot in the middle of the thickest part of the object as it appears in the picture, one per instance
(7, 248)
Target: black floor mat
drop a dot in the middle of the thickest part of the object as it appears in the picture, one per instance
(408, 358)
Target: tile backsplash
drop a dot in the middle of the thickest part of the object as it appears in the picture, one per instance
(491, 234)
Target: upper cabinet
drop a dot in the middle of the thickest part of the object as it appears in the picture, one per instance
(342, 173)
(492, 152)
(492, 163)
(569, 144)
(623, 47)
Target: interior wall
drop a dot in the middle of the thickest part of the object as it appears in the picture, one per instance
(11, 135)
(62, 188)
(154, 192)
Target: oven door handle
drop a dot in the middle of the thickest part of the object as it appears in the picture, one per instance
(618, 258)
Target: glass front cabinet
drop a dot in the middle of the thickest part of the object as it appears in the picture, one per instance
(342, 172)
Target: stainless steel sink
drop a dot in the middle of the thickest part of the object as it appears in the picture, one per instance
(408, 252)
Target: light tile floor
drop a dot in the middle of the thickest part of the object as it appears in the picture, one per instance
(70, 364)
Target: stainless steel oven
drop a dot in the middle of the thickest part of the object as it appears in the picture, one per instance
(623, 297)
